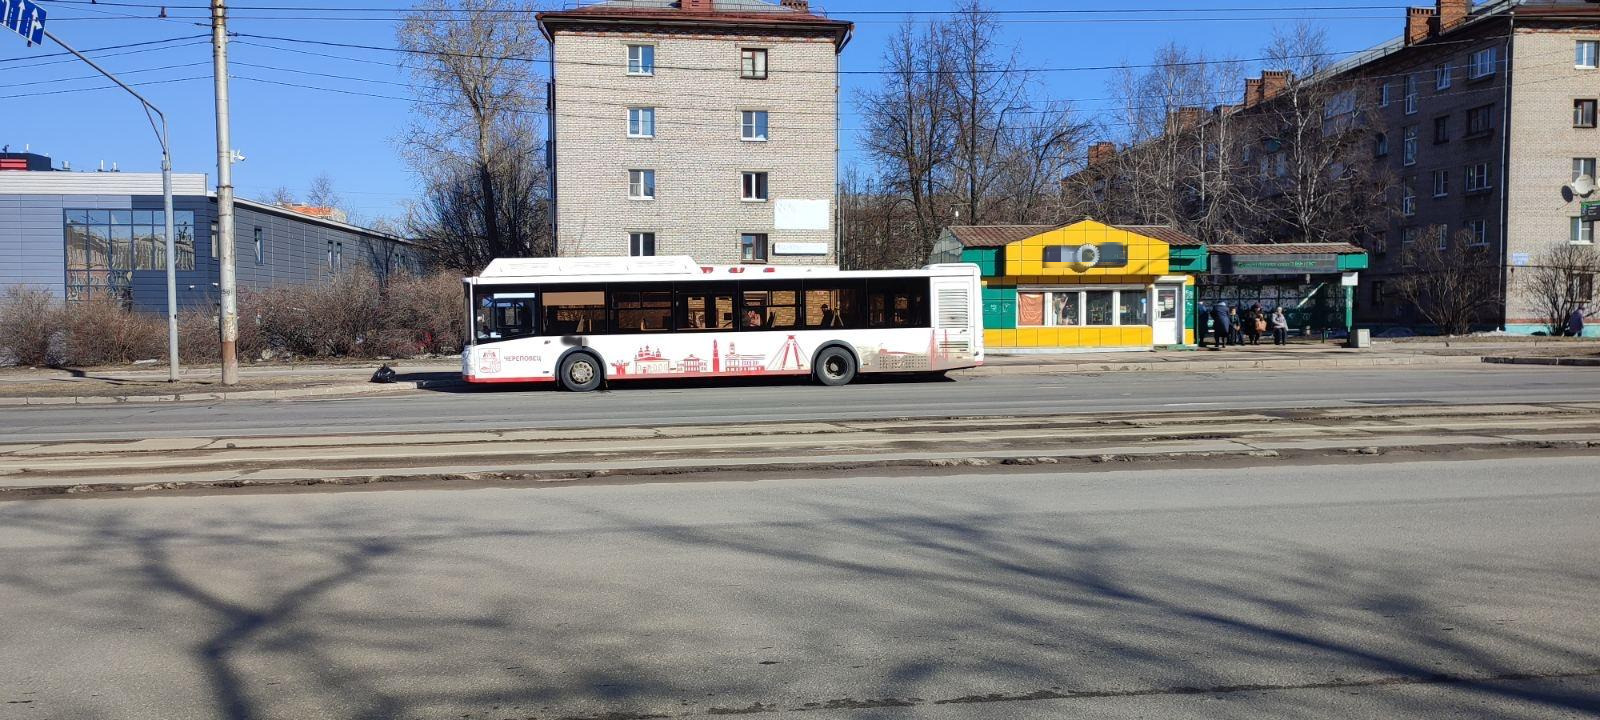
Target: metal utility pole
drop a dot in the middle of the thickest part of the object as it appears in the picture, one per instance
(229, 311)
(160, 120)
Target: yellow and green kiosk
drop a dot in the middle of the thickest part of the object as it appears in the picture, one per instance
(1093, 286)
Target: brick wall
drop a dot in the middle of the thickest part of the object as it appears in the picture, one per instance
(697, 153)
(1543, 144)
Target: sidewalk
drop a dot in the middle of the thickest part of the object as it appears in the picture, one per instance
(27, 386)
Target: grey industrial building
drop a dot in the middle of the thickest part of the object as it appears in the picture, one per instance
(77, 232)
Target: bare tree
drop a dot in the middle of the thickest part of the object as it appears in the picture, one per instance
(1451, 284)
(1560, 282)
(1315, 159)
(909, 126)
(280, 195)
(473, 69)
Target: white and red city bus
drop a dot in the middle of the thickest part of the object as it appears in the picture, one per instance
(581, 322)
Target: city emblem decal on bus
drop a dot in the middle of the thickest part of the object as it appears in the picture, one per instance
(489, 362)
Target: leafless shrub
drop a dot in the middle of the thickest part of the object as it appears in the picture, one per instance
(424, 314)
(1561, 282)
(1452, 285)
(29, 318)
(100, 330)
(336, 319)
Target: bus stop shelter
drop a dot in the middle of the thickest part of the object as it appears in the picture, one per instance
(1314, 283)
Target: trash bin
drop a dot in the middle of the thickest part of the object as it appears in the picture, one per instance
(1361, 338)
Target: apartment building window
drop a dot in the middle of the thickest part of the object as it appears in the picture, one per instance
(753, 247)
(1582, 232)
(642, 244)
(1441, 236)
(641, 184)
(1442, 76)
(1587, 53)
(1478, 177)
(1481, 64)
(1583, 112)
(1380, 145)
(1411, 94)
(1441, 129)
(1380, 243)
(260, 251)
(641, 122)
(1480, 120)
(1409, 236)
(1581, 167)
(1581, 288)
(1280, 164)
(754, 186)
(641, 59)
(1379, 293)
(1408, 201)
(753, 125)
(1408, 146)
(753, 64)
(1441, 183)
(1477, 232)
(1383, 95)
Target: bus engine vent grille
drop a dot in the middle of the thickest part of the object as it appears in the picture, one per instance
(953, 311)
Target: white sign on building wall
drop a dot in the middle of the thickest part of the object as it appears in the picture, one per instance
(800, 215)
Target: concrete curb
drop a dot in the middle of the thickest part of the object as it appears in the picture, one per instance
(1561, 361)
(1241, 364)
(362, 388)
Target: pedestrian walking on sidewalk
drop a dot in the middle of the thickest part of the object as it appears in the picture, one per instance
(1280, 327)
(1220, 325)
(1575, 323)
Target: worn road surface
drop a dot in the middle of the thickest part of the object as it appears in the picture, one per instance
(1417, 590)
(667, 403)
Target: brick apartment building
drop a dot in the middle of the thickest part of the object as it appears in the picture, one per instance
(1484, 115)
(706, 128)
(1490, 114)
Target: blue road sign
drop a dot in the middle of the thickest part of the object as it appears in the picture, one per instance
(24, 18)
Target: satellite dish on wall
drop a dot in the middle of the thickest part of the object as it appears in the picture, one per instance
(1583, 186)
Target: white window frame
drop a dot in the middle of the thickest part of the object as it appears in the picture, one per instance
(638, 67)
(1441, 236)
(1478, 178)
(1581, 232)
(752, 130)
(1411, 94)
(1479, 232)
(1383, 95)
(638, 118)
(1443, 76)
(642, 184)
(636, 244)
(1380, 145)
(1408, 146)
(1408, 201)
(1583, 166)
(1586, 55)
(1482, 63)
(1441, 183)
(754, 186)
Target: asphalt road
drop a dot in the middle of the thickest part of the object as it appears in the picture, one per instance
(1422, 590)
(668, 403)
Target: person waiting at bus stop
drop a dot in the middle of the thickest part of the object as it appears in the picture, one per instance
(1221, 324)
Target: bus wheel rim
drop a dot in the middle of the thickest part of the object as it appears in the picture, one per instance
(581, 372)
(834, 367)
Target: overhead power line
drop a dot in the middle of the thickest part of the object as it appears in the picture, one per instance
(1048, 12)
(89, 51)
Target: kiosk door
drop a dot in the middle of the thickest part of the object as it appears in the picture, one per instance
(1168, 318)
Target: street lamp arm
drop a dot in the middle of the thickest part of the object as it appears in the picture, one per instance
(149, 106)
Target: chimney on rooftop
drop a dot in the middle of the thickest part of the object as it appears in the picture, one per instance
(696, 6)
(1420, 23)
(801, 5)
(1452, 13)
(1274, 82)
(1252, 91)
(1101, 152)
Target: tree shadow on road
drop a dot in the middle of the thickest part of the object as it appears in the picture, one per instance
(554, 604)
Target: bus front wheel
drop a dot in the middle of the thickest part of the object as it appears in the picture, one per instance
(835, 366)
(580, 372)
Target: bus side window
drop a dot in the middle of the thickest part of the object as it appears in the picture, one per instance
(504, 315)
(575, 312)
(832, 305)
(898, 302)
(704, 306)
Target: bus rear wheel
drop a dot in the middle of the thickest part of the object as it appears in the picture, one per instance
(580, 372)
(835, 366)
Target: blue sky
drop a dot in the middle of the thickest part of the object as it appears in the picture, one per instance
(292, 134)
